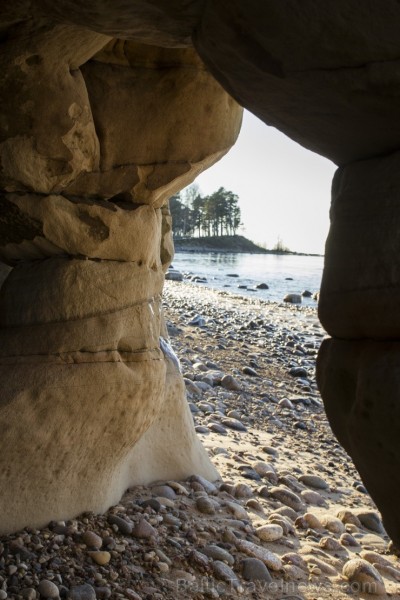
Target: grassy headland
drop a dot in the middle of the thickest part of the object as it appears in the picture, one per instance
(225, 243)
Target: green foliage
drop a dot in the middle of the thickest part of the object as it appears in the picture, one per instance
(215, 215)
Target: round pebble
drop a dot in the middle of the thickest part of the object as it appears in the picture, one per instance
(255, 570)
(100, 557)
(48, 589)
(363, 577)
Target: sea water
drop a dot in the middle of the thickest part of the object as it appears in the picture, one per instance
(283, 273)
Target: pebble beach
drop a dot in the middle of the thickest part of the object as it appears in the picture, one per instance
(289, 517)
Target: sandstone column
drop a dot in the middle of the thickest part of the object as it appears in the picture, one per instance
(102, 133)
(359, 369)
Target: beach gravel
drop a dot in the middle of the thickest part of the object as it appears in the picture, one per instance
(283, 521)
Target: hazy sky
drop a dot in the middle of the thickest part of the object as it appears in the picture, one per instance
(283, 189)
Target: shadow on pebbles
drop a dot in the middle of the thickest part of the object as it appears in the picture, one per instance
(289, 517)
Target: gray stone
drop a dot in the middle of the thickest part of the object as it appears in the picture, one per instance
(165, 491)
(48, 589)
(371, 520)
(173, 275)
(124, 526)
(197, 321)
(298, 372)
(82, 592)
(250, 371)
(222, 571)
(364, 575)
(103, 593)
(92, 540)
(314, 481)
(144, 530)
(230, 383)
(233, 424)
(27, 594)
(205, 505)
(217, 428)
(292, 298)
(209, 487)
(254, 569)
(218, 553)
(287, 497)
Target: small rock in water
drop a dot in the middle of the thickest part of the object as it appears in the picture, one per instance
(306, 294)
(292, 298)
(173, 275)
(364, 576)
(262, 286)
(254, 569)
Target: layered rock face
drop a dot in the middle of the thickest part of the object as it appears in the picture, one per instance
(106, 111)
(358, 369)
(327, 76)
(100, 134)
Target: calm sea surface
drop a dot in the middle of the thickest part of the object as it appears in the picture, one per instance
(282, 273)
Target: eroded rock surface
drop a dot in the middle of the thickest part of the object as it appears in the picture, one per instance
(101, 133)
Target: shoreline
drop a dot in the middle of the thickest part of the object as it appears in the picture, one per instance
(236, 244)
(288, 513)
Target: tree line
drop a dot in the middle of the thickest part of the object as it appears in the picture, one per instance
(203, 216)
